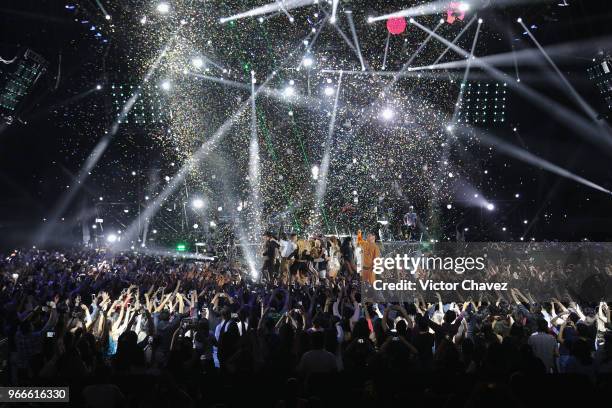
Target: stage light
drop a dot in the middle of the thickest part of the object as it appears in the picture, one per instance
(449, 128)
(197, 203)
(108, 17)
(101, 198)
(517, 195)
(111, 238)
(441, 21)
(464, 6)
(315, 172)
(412, 20)
(490, 206)
(332, 20)
(525, 221)
(519, 20)
(388, 114)
(212, 224)
(307, 61)
(449, 206)
(15, 276)
(197, 62)
(196, 226)
(98, 87)
(370, 20)
(261, 19)
(163, 8)
(480, 21)
(166, 85)
(143, 20)
(451, 175)
(291, 19)
(219, 208)
(504, 229)
(329, 91)
(289, 91)
(155, 231)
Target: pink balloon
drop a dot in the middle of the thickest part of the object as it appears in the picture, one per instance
(396, 25)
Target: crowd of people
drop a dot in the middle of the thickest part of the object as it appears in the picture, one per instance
(131, 329)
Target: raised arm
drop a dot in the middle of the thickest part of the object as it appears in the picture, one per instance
(385, 319)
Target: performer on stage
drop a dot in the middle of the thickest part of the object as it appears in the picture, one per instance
(410, 223)
(370, 252)
(348, 257)
(271, 255)
(333, 262)
(288, 252)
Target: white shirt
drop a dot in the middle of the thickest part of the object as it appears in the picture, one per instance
(544, 347)
(218, 329)
(287, 248)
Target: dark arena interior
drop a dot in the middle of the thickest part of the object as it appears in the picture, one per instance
(305, 203)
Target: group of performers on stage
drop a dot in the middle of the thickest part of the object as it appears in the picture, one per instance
(323, 257)
(319, 257)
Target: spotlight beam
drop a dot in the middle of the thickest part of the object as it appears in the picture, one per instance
(314, 38)
(208, 60)
(324, 168)
(222, 81)
(527, 157)
(254, 168)
(349, 16)
(440, 6)
(334, 10)
(303, 101)
(101, 7)
(284, 10)
(384, 64)
(418, 51)
(572, 91)
(465, 75)
(205, 149)
(516, 68)
(95, 155)
(269, 8)
(449, 140)
(529, 56)
(457, 38)
(345, 38)
(563, 114)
